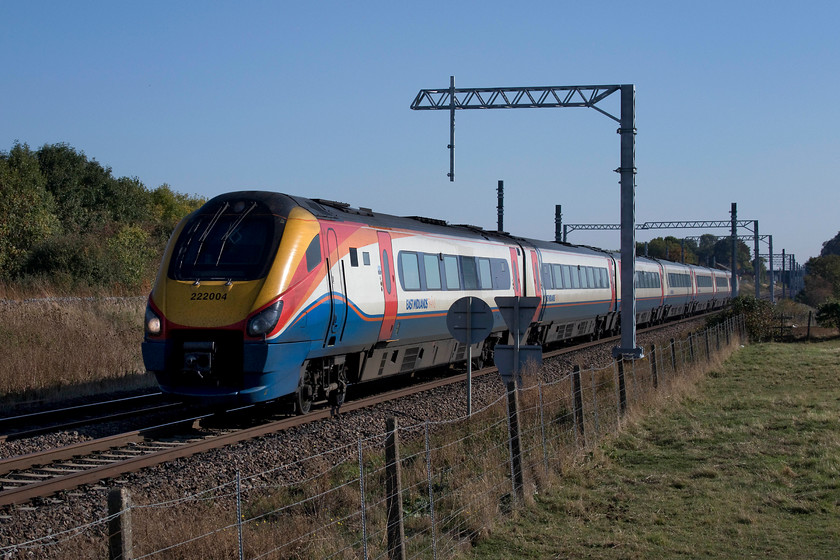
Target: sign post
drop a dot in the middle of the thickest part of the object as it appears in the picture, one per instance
(469, 321)
(518, 313)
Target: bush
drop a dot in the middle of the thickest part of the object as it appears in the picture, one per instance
(758, 316)
(828, 314)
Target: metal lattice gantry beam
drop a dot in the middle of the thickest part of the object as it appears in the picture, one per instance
(733, 223)
(532, 97)
(551, 97)
(686, 224)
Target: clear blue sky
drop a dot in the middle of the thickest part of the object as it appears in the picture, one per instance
(734, 103)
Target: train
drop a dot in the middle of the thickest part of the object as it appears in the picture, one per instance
(265, 296)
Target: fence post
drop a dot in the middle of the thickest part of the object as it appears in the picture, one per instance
(708, 347)
(653, 372)
(578, 394)
(393, 490)
(362, 500)
(717, 337)
(622, 388)
(674, 355)
(807, 336)
(728, 330)
(595, 404)
(431, 491)
(691, 347)
(542, 427)
(239, 515)
(514, 443)
(119, 525)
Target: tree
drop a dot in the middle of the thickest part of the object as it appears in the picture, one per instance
(27, 210)
(669, 248)
(706, 249)
(831, 247)
(131, 255)
(822, 280)
(723, 254)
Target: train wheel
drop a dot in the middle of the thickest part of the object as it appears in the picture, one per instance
(303, 397)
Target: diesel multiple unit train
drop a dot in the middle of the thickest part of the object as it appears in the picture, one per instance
(264, 295)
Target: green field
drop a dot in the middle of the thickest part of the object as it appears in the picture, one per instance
(747, 464)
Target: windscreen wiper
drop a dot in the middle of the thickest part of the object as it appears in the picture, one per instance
(207, 231)
(231, 229)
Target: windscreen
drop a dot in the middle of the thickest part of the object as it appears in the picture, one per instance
(227, 240)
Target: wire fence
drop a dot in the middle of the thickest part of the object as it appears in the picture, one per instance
(426, 490)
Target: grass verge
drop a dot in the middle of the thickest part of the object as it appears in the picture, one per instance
(61, 348)
(745, 464)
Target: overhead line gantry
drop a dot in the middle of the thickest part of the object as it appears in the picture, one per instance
(553, 97)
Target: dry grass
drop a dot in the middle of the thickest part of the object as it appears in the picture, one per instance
(59, 348)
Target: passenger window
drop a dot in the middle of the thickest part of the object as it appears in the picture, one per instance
(583, 283)
(547, 280)
(590, 277)
(354, 257)
(432, 269)
(558, 276)
(450, 268)
(470, 273)
(409, 271)
(501, 274)
(485, 276)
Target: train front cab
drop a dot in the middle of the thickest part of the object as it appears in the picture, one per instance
(226, 320)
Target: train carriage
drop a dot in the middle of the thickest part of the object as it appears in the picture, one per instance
(578, 296)
(650, 291)
(679, 290)
(723, 288)
(704, 289)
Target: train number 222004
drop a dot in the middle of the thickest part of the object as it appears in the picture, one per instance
(207, 296)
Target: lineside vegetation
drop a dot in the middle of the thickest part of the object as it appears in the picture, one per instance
(745, 464)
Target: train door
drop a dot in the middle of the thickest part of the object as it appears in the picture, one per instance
(694, 296)
(389, 285)
(514, 270)
(338, 293)
(661, 284)
(612, 271)
(538, 291)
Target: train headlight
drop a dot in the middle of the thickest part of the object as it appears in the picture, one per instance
(265, 321)
(152, 322)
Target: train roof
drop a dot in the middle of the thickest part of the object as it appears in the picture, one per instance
(281, 204)
(341, 211)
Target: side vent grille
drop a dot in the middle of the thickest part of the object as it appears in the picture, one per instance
(409, 360)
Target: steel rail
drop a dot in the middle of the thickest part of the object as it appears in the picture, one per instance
(58, 413)
(76, 423)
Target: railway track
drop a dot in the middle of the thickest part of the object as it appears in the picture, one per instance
(65, 418)
(44, 473)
